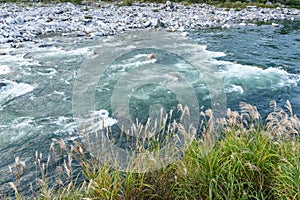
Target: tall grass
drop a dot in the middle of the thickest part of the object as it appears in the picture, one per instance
(252, 160)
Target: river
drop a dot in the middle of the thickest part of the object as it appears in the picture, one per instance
(257, 63)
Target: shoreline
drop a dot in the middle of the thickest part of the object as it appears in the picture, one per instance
(21, 22)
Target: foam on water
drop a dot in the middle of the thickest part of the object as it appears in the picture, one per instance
(48, 72)
(64, 125)
(4, 69)
(57, 52)
(238, 77)
(13, 90)
(212, 54)
(31, 55)
(17, 61)
(97, 121)
(18, 128)
(21, 127)
(234, 89)
(136, 61)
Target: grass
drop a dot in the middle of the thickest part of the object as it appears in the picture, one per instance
(253, 160)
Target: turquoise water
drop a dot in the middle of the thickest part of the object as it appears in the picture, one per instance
(267, 62)
(257, 63)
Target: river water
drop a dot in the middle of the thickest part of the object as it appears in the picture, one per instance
(257, 63)
(261, 63)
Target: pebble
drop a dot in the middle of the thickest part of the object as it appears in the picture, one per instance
(20, 23)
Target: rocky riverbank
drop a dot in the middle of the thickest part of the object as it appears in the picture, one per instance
(21, 22)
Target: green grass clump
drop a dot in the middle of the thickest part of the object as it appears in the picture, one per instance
(240, 167)
(238, 5)
(251, 159)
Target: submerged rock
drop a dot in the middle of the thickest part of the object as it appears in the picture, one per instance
(150, 56)
(45, 45)
(16, 45)
(27, 55)
(2, 86)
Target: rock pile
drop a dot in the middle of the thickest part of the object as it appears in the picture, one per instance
(23, 22)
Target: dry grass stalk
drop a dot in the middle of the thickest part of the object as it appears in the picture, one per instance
(18, 170)
(282, 124)
(279, 122)
(253, 167)
(13, 186)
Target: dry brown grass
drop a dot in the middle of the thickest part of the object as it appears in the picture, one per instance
(244, 164)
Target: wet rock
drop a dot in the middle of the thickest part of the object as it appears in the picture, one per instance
(27, 56)
(45, 45)
(2, 86)
(16, 46)
(10, 39)
(150, 56)
(12, 53)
